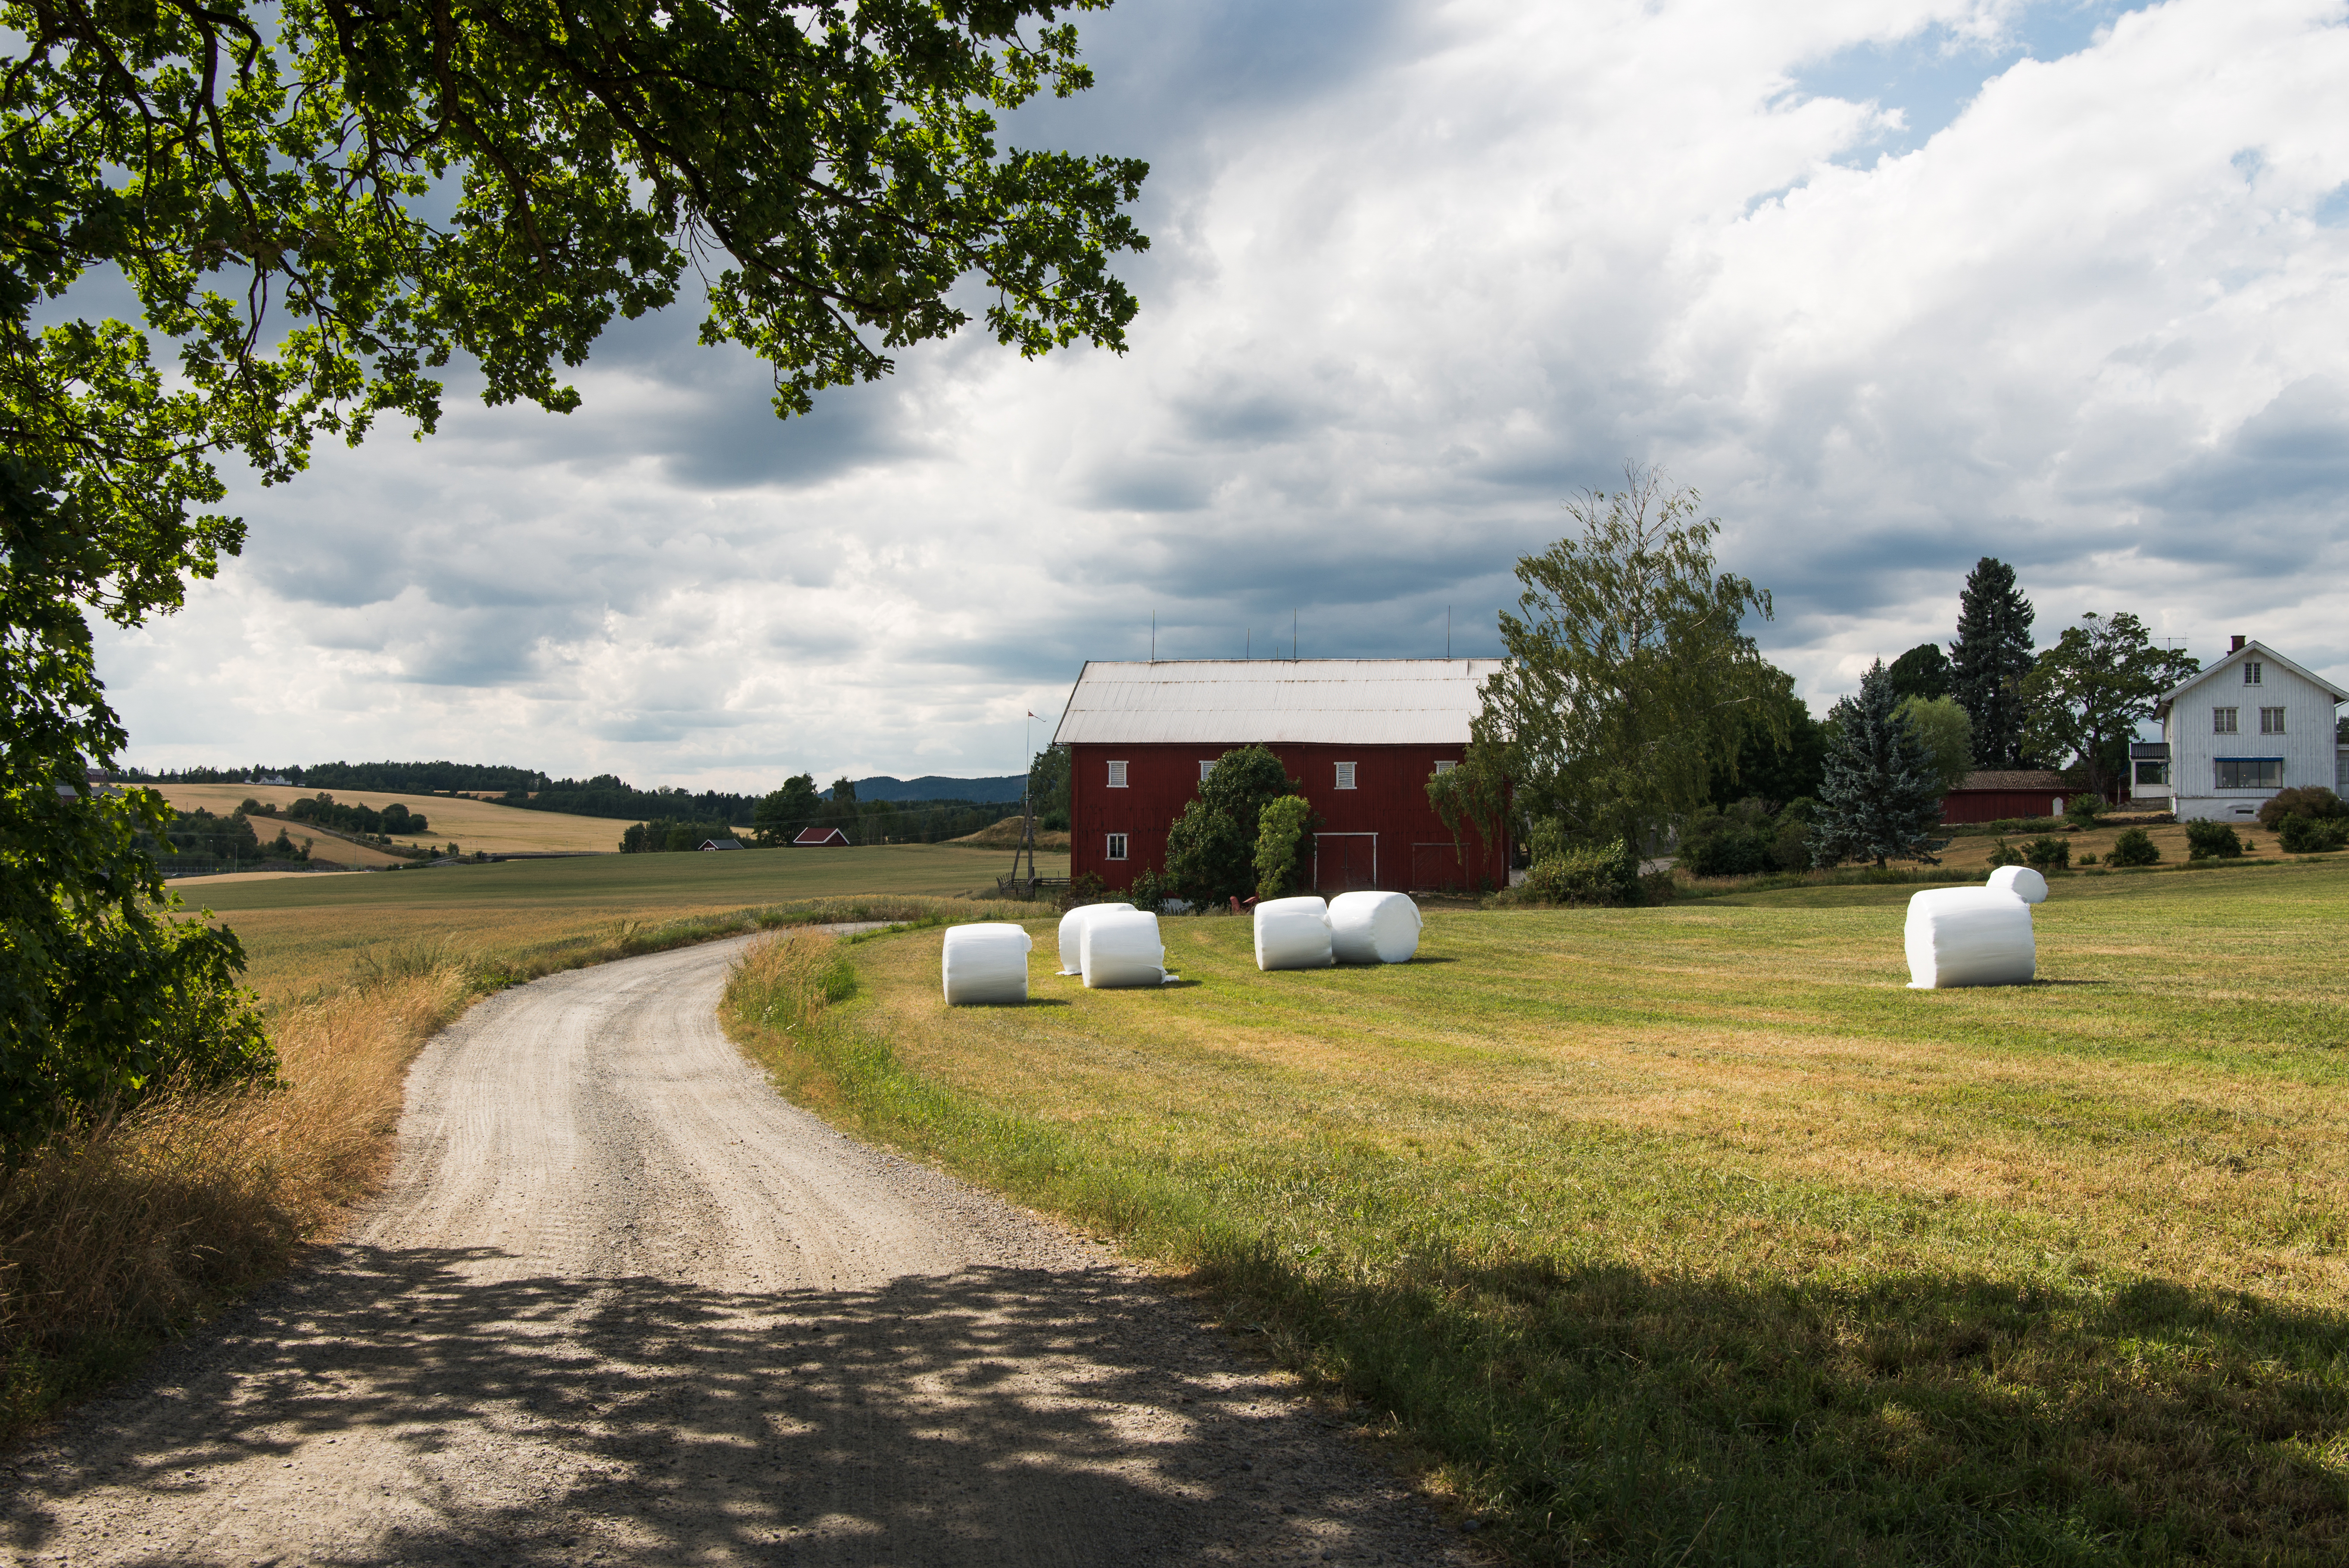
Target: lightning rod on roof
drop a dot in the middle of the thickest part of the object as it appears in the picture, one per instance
(1154, 636)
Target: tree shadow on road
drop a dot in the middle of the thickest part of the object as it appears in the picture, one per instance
(993, 1415)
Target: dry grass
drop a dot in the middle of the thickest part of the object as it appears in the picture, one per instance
(1643, 1218)
(469, 823)
(1973, 850)
(1005, 835)
(113, 1238)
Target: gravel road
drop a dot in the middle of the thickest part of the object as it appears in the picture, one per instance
(620, 1303)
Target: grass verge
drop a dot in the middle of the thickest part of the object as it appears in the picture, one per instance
(116, 1238)
(1688, 1235)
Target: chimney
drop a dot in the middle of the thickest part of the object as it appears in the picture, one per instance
(2238, 647)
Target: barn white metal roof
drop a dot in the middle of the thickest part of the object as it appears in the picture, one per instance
(1304, 702)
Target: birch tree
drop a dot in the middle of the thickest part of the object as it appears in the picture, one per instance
(1630, 677)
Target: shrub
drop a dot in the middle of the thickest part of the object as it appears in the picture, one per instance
(2209, 841)
(2048, 852)
(2134, 846)
(2087, 860)
(1592, 874)
(1281, 828)
(2082, 810)
(2310, 836)
(2312, 800)
(1211, 848)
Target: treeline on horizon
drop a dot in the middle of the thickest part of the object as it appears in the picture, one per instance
(664, 819)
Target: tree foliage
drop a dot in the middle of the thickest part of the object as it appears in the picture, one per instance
(1048, 786)
(1630, 678)
(1945, 732)
(104, 997)
(1990, 660)
(782, 812)
(1211, 847)
(1781, 752)
(2086, 694)
(1280, 831)
(1878, 800)
(267, 182)
(1923, 671)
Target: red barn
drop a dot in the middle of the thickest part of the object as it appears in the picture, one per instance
(1363, 735)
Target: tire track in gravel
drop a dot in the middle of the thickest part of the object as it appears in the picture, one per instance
(621, 1302)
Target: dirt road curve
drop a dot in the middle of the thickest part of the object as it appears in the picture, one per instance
(622, 1304)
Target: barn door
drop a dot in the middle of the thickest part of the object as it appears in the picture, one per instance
(1345, 862)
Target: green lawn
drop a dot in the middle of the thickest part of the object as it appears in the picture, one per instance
(301, 931)
(1690, 1235)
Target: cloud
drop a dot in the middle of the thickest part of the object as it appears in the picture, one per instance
(1895, 286)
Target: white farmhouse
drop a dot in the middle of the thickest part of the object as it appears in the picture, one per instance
(2249, 725)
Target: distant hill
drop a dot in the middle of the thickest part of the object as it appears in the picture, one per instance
(930, 787)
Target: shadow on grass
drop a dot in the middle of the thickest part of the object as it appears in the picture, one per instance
(641, 1420)
(1616, 1417)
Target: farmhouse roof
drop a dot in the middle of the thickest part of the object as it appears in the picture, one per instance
(2013, 778)
(1305, 702)
(821, 836)
(2251, 649)
(721, 843)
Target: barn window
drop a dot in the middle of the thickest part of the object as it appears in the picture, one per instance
(2271, 721)
(1117, 775)
(1446, 767)
(2250, 772)
(2222, 721)
(1345, 776)
(1206, 765)
(2252, 671)
(1117, 846)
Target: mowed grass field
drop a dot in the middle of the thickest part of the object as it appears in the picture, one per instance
(1690, 1235)
(305, 931)
(468, 824)
(1975, 849)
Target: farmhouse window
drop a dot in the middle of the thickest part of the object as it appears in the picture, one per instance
(2222, 722)
(2153, 773)
(1117, 775)
(1117, 846)
(2252, 671)
(1206, 765)
(1345, 776)
(1446, 767)
(2271, 721)
(2250, 772)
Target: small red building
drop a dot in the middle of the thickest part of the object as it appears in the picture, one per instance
(1991, 797)
(1362, 735)
(818, 837)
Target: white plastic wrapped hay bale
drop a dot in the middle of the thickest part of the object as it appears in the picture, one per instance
(2022, 882)
(1292, 934)
(1969, 936)
(1072, 933)
(1122, 948)
(985, 964)
(1373, 928)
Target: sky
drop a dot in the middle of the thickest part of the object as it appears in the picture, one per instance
(1893, 284)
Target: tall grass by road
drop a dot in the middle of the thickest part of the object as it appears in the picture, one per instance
(1688, 1235)
(115, 1237)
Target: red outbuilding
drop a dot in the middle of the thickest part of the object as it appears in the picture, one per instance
(818, 837)
(1363, 736)
(1992, 797)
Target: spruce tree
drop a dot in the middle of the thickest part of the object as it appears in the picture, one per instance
(1990, 660)
(1877, 799)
